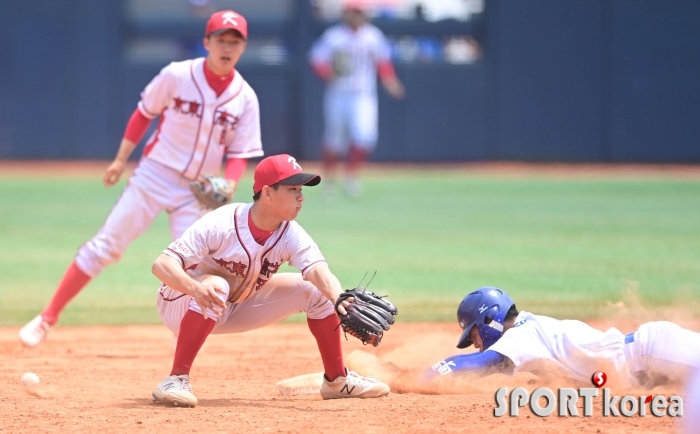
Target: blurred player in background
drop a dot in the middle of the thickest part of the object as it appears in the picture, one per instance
(511, 341)
(207, 113)
(348, 57)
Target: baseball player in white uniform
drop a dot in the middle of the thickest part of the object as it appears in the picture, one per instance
(512, 341)
(348, 56)
(207, 113)
(221, 277)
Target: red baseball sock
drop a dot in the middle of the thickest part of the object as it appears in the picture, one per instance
(73, 281)
(356, 157)
(327, 334)
(330, 160)
(194, 330)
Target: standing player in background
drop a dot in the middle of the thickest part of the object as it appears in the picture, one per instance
(511, 341)
(348, 57)
(207, 112)
(221, 277)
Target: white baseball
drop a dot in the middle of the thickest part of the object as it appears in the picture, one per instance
(30, 379)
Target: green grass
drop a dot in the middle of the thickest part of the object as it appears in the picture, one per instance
(559, 247)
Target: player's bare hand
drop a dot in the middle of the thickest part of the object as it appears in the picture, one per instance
(113, 173)
(343, 304)
(394, 88)
(206, 295)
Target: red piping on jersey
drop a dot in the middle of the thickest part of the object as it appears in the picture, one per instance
(149, 147)
(160, 292)
(182, 260)
(235, 224)
(218, 83)
(199, 126)
(211, 131)
(262, 258)
(313, 263)
(260, 236)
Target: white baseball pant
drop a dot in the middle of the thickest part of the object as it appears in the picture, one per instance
(663, 350)
(152, 188)
(350, 119)
(282, 296)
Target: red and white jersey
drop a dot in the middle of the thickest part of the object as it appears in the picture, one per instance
(221, 244)
(359, 51)
(197, 128)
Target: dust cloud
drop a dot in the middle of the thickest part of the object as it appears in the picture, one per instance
(405, 367)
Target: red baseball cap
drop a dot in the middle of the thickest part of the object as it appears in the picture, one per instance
(355, 5)
(282, 169)
(221, 21)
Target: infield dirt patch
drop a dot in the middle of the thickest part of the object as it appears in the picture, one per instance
(99, 379)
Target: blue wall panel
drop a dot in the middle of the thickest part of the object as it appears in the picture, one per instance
(655, 81)
(548, 82)
(61, 60)
(278, 116)
(574, 80)
(442, 118)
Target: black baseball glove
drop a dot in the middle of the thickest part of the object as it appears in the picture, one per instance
(368, 315)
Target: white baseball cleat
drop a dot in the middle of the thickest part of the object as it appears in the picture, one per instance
(329, 193)
(175, 390)
(34, 332)
(353, 188)
(353, 386)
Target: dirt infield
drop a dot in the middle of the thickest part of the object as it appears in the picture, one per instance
(98, 379)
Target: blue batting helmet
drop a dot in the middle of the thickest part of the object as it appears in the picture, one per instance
(485, 308)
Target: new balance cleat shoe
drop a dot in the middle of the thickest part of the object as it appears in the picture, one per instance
(353, 386)
(34, 332)
(175, 390)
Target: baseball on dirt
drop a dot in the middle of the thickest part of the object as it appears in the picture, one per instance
(30, 379)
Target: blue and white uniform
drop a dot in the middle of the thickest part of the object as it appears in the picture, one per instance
(657, 351)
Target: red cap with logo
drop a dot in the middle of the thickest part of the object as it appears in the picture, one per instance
(221, 21)
(282, 169)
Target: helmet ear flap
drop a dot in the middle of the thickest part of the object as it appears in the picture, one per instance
(491, 314)
(492, 330)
